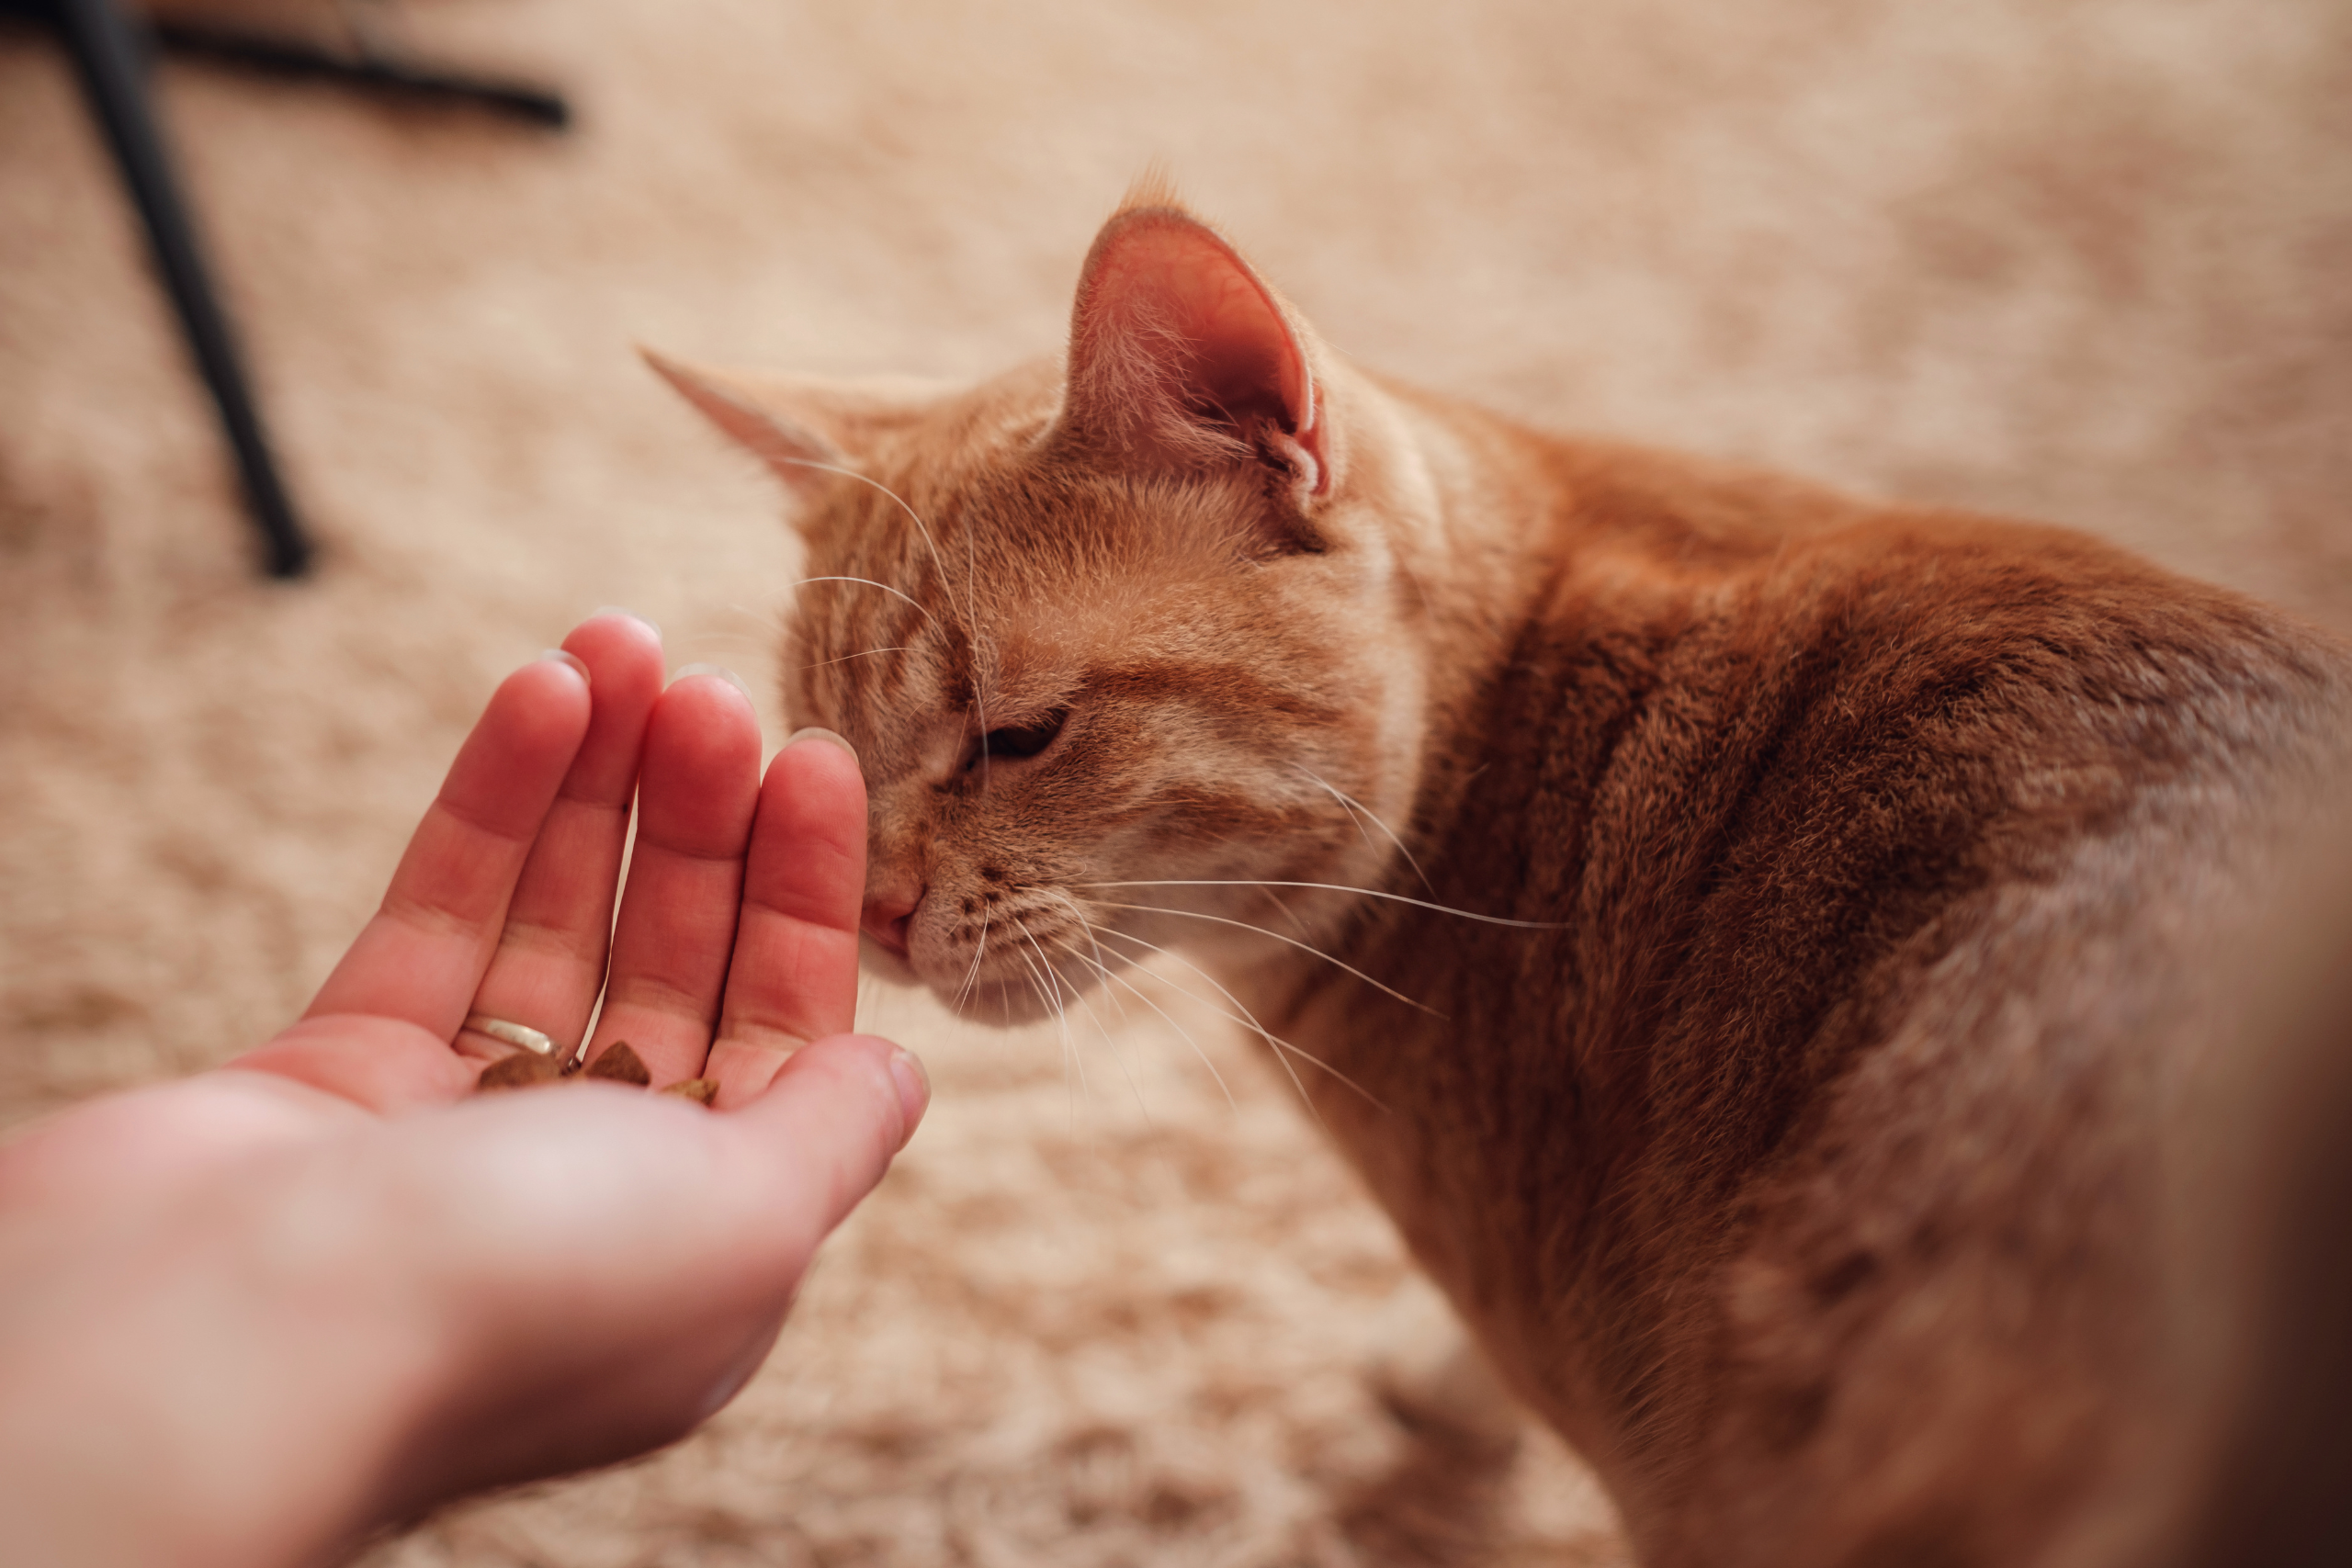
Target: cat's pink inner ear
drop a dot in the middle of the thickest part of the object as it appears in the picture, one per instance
(798, 453)
(1173, 328)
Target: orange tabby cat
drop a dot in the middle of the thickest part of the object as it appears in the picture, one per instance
(1760, 940)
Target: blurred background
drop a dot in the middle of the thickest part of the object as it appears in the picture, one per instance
(2085, 260)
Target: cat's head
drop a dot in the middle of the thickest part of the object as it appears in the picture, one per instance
(1120, 641)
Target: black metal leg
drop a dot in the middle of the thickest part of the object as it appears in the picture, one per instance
(112, 59)
(400, 78)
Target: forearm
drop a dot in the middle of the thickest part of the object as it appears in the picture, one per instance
(220, 1381)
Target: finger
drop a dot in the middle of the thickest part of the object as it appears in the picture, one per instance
(815, 1142)
(793, 978)
(697, 791)
(550, 962)
(421, 955)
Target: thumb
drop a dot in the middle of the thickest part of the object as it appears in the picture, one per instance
(813, 1144)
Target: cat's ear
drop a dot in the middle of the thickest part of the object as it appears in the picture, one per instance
(1181, 355)
(806, 428)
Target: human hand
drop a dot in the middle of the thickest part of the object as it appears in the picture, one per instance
(246, 1316)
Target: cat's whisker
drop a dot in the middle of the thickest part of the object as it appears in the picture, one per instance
(1087, 927)
(1049, 988)
(939, 565)
(1276, 936)
(1120, 980)
(1284, 910)
(1246, 1019)
(870, 583)
(722, 632)
(1284, 1049)
(929, 543)
(1053, 977)
(761, 615)
(1335, 887)
(1060, 987)
(1036, 988)
(957, 1026)
(865, 653)
(1355, 807)
(972, 975)
(1118, 1057)
(1354, 818)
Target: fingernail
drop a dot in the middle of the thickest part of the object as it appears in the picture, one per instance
(632, 615)
(563, 655)
(914, 1089)
(720, 670)
(815, 733)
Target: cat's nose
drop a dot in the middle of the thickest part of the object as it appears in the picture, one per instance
(889, 911)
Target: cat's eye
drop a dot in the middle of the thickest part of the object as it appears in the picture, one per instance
(1015, 741)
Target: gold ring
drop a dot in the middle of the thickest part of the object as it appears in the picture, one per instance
(499, 1028)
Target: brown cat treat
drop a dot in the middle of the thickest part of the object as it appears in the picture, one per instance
(619, 1064)
(1762, 946)
(524, 1069)
(702, 1091)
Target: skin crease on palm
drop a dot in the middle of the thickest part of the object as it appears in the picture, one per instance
(248, 1316)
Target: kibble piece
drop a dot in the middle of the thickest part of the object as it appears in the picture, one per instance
(702, 1091)
(524, 1069)
(620, 1064)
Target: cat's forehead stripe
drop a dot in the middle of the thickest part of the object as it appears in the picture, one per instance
(1225, 687)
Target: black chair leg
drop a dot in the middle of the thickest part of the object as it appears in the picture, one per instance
(112, 59)
(363, 68)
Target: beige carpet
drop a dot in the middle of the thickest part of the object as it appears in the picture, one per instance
(2087, 259)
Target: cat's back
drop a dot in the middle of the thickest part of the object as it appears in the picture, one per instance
(1758, 644)
(1892, 855)
(1955, 1328)
(1768, 730)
